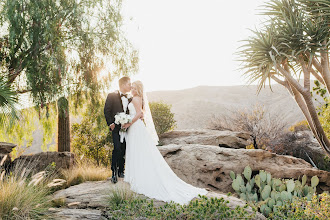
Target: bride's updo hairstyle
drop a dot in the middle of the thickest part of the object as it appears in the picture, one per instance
(139, 89)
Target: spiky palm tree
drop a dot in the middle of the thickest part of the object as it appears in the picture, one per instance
(8, 101)
(293, 44)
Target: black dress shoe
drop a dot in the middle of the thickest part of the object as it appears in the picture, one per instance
(121, 175)
(114, 179)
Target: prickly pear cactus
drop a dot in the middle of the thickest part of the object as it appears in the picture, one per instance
(268, 193)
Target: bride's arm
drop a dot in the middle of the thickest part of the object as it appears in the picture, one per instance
(137, 102)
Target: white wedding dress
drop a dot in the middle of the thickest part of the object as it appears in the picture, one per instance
(147, 171)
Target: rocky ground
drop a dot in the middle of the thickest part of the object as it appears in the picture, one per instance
(88, 200)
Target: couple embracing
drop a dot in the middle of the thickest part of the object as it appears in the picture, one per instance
(145, 168)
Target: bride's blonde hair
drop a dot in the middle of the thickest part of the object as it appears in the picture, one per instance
(139, 89)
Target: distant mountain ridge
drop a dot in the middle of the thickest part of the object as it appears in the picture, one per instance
(194, 107)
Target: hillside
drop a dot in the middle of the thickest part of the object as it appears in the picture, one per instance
(195, 107)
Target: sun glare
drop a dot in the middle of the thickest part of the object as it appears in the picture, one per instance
(103, 73)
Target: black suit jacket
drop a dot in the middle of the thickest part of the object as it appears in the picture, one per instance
(113, 105)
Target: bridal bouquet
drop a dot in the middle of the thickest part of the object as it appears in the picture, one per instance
(122, 118)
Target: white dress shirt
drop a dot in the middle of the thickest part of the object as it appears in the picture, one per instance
(124, 101)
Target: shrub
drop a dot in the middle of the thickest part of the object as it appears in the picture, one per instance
(92, 139)
(300, 126)
(203, 208)
(317, 208)
(162, 116)
(256, 120)
(299, 144)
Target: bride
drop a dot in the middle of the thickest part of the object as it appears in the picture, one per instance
(146, 170)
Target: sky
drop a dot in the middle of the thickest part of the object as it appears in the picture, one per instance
(188, 43)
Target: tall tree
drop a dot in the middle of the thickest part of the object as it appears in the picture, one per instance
(293, 44)
(54, 48)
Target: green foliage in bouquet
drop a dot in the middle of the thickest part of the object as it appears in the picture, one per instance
(269, 193)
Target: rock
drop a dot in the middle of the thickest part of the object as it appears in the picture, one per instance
(209, 166)
(88, 194)
(64, 214)
(39, 162)
(224, 138)
(6, 148)
(91, 197)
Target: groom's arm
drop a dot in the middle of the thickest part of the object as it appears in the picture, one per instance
(107, 110)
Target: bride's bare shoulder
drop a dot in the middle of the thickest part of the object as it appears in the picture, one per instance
(137, 100)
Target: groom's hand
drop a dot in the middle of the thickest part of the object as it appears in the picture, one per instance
(142, 116)
(112, 126)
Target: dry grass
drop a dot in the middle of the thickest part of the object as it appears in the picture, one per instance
(85, 171)
(121, 193)
(23, 195)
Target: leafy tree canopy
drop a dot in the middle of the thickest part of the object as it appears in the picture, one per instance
(56, 48)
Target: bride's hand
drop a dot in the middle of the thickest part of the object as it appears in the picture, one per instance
(127, 125)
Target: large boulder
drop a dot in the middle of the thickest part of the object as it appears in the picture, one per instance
(209, 166)
(229, 139)
(6, 148)
(39, 162)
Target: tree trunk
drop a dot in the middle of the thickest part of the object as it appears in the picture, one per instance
(63, 143)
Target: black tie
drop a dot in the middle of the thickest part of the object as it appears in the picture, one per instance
(125, 95)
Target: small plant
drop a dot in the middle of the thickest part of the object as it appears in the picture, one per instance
(268, 193)
(120, 194)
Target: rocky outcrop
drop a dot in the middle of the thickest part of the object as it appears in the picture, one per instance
(61, 160)
(89, 200)
(209, 166)
(228, 139)
(6, 148)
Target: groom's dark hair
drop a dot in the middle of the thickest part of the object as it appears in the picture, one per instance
(123, 80)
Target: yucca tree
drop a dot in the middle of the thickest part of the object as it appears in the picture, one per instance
(292, 45)
(8, 101)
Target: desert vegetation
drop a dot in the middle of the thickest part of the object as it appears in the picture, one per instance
(60, 74)
(123, 203)
(293, 42)
(262, 125)
(163, 117)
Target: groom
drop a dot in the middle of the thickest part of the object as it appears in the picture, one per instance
(117, 102)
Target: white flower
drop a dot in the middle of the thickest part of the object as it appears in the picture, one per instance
(122, 118)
